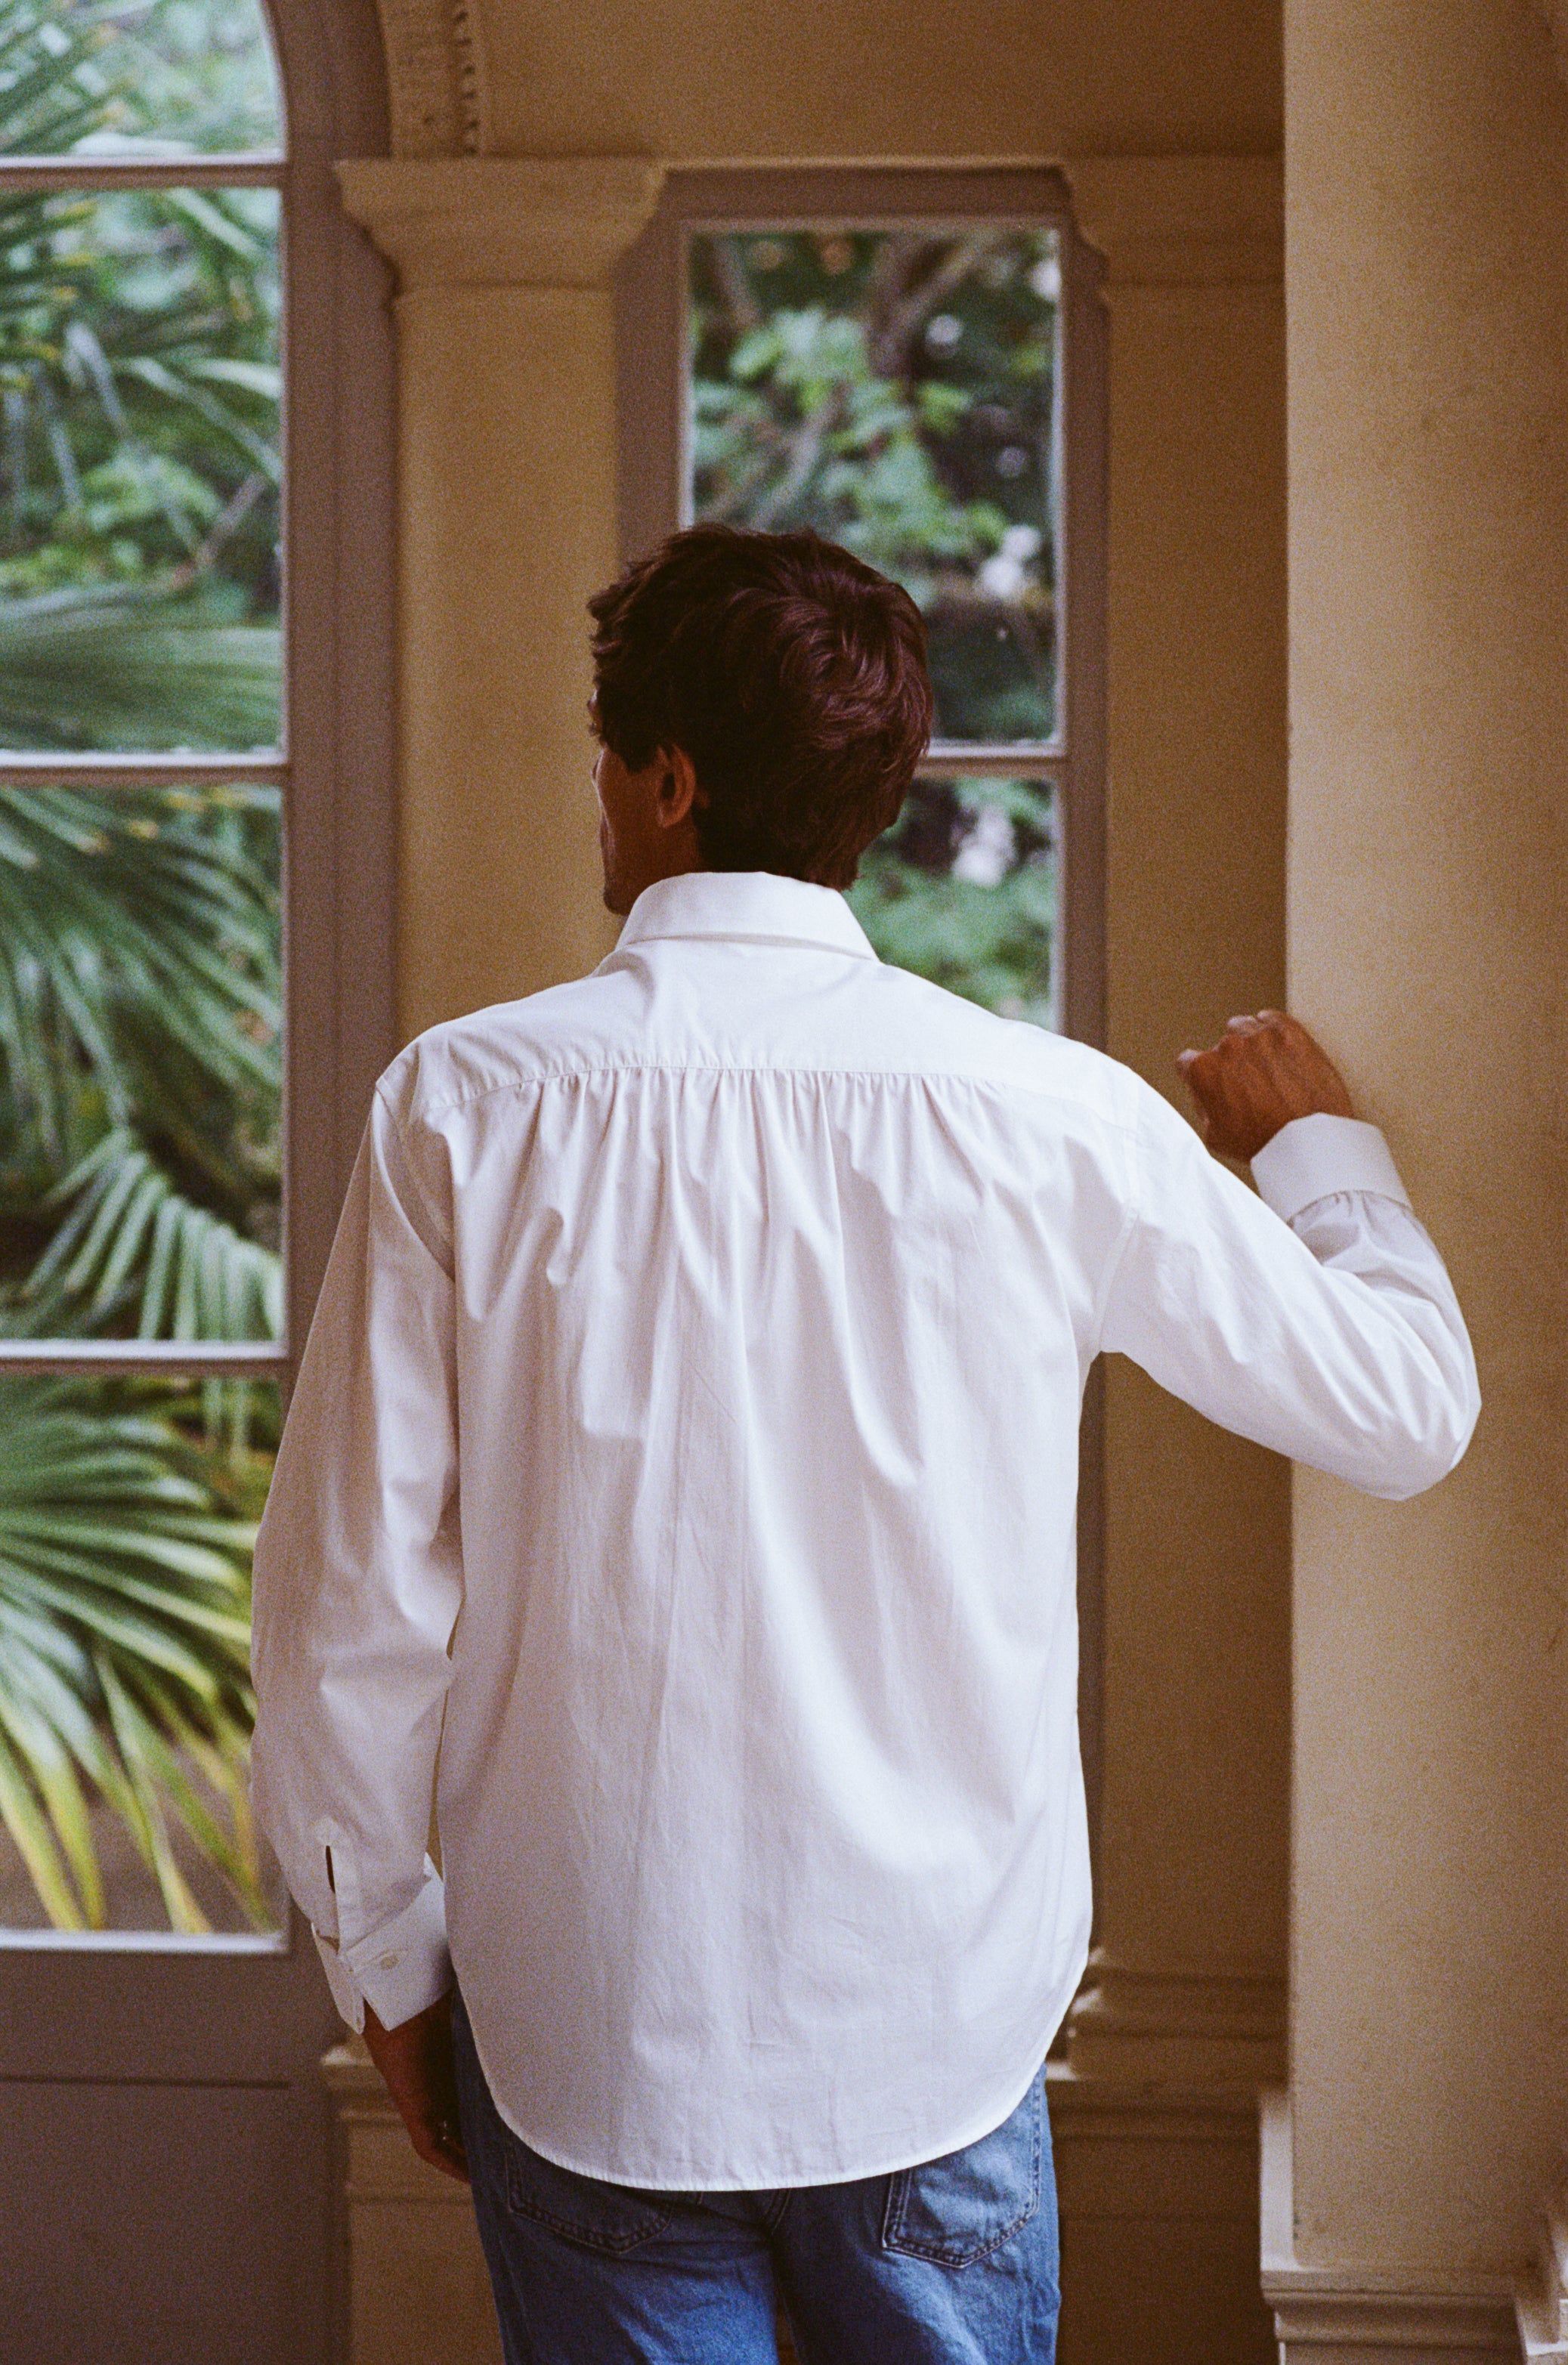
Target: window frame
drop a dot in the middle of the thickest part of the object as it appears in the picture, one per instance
(650, 325)
(335, 767)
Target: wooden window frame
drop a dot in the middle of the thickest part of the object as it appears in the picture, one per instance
(335, 768)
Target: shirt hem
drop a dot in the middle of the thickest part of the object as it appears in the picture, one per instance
(985, 2122)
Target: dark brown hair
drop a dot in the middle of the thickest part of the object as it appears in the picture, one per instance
(792, 672)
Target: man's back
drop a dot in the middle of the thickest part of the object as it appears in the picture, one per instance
(740, 1299)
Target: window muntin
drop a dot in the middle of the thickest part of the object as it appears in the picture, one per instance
(142, 1297)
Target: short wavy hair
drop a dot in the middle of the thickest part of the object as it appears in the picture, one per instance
(794, 676)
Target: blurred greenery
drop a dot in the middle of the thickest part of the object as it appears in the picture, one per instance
(139, 943)
(894, 389)
(140, 456)
(124, 1642)
(962, 890)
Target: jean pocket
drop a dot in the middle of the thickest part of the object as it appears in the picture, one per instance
(963, 2206)
(609, 2217)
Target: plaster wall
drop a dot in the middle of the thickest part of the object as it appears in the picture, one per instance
(1428, 303)
(756, 82)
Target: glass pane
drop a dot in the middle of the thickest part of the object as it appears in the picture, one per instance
(140, 470)
(127, 1513)
(895, 389)
(140, 1062)
(156, 77)
(963, 889)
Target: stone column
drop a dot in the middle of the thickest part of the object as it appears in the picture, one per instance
(1186, 1982)
(1428, 204)
(507, 523)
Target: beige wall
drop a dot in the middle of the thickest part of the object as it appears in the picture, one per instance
(1195, 1842)
(507, 447)
(1427, 213)
(753, 80)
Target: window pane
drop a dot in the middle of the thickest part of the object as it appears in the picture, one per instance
(140, 1062)
(140, 470)
(159, 76)
(127, 1510)
(895, 389)
(963, 889)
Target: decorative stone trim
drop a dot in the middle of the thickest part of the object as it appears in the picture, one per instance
(1210, 2029)
(1541, 2304)
(1183, 221)
(1354, 2315)
(436, 77)
(462, 221)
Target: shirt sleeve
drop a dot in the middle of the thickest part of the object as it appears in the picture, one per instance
(358, 1581)
(1333, 1336)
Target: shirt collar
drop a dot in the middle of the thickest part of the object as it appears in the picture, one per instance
(747, 907)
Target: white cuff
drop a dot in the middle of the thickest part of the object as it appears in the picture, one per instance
(397, 1969)
(1319, 1157)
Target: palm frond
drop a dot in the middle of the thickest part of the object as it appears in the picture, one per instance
(140, 675)
(132, 1236)
(124, 1621)
(50, 96)
(120, 918)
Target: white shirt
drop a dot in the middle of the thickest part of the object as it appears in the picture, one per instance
(684, 1459)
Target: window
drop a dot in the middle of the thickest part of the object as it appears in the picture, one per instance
(168, 2076)
(162, 770)
(912, 364)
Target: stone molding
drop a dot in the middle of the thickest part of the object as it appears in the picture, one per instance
(1198, 2030)
(437, 82)
(1540, 2302)
(1354, 2315)
(493, 221)
(1183, 221)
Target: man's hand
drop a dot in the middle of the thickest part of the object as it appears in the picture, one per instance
(1261, 1074)
(416, 2060)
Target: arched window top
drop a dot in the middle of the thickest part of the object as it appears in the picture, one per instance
(154, 78)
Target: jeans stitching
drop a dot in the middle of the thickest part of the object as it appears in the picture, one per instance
(944, 2254)
(521, 2203)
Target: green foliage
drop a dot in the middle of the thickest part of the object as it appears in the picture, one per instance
(139, 464)
(962, 890)
(895, 390)
(140, 986)
(123, 1635)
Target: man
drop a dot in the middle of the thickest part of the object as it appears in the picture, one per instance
(681, 1481)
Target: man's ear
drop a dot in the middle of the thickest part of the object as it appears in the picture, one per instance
(677, 792)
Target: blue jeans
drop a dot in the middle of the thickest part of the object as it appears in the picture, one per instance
(951, 2263)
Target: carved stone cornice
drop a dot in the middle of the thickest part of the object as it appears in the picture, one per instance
(501, 221)
(1183, 221)
(437, 84)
